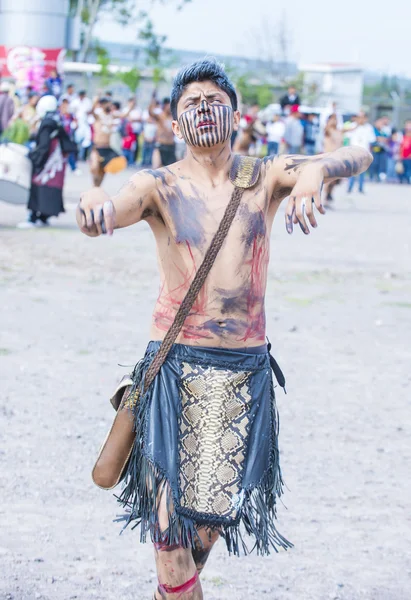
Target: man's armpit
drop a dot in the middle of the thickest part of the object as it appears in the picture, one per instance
(281, 192)
(276, 178)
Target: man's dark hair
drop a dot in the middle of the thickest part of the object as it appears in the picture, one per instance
(202, 70)
(82, 93)
(70, 85)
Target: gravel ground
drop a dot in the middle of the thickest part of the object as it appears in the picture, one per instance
(339, 318)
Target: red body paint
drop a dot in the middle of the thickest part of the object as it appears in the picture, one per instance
(258, 278)
(169, 302)
(163, 547)
(188, 586)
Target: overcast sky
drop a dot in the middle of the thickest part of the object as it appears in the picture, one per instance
(320, 30)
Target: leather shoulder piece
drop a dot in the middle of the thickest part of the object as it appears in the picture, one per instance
(245, 171)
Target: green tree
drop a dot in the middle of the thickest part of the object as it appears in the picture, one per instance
(103, 59)
(157, 57)
(252, 93)
(247, 90)
(125, 12)
(264, 95)
(130, 78)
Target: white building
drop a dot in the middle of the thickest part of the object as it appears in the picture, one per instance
(325, 83)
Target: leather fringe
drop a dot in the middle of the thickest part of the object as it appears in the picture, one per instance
(145, 485)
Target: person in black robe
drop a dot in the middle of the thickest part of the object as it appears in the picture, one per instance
(49, 164)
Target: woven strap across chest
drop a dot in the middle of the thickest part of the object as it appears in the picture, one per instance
(244, 174)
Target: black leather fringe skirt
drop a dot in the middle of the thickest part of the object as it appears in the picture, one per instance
(206, 450)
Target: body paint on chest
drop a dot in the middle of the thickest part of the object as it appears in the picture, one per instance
(187, 211)
(247, 300)
(254, 225)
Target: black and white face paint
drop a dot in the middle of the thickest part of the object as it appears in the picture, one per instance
(208, 125)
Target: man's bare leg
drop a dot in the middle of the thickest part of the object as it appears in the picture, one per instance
(178, 578)
(95, 168)
(178, 568)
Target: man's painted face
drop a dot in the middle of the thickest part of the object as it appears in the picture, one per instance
(206, 125)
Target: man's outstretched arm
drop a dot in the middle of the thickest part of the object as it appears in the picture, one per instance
(344, 162)
(302, 177)
(98, 213)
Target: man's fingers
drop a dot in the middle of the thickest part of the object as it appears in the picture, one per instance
(89, 218)
(83, 218)
(309, 204)
(109, 216)
(97, 211)
(289, 214)
(102, 222)
(299, 213)
(318, 202)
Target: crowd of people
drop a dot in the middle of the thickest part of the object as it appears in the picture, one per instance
(292, 129)
(131, 131)
(114, 137)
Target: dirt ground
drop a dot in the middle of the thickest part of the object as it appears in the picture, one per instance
(339, 318)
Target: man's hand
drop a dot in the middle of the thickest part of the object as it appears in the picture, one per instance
(96, 214)
(304, 176)
(305, 194)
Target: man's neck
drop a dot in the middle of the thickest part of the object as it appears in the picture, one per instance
(212, 165)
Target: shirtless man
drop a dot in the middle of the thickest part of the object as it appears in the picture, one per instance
(165, 134)
(251, 130)
(207, 430)
(102, 153)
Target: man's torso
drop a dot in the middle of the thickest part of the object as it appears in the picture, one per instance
(103, 128)
(229, 311)
(165, 133)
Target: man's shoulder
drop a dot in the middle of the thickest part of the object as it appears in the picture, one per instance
(162, 176)
(271, 167)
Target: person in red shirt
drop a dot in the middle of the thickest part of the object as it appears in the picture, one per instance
(129, 142)
(405, 153)
(69, 125)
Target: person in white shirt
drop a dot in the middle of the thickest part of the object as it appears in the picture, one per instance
(362, 135)
(70, 94)
(81, 107)
(275, 133)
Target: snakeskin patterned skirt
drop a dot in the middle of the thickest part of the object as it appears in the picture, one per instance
(206, 449)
